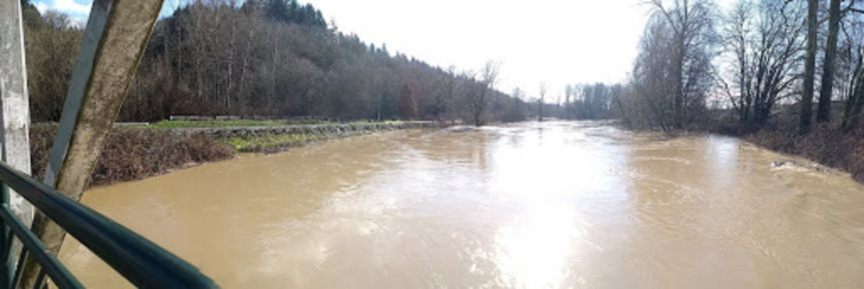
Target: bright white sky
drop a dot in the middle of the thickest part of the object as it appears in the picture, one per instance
(557, 42)
(552, 41)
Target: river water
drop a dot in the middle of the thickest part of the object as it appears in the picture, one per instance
(551, 205)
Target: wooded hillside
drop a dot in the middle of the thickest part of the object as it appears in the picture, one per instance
(263, 57)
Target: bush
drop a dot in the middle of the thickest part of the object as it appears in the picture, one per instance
(825, 144)
(133, 154)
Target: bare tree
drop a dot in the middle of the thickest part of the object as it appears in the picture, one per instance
(50, 62)
(854, 60)
(650, 102)
(764, 39)
(673, 72)
(855, 102)
(828, 66)
(690, 24)
(514, 107)
(568, 108)
(541, 101)
(809, 66)
(478, 98)
(450, 92)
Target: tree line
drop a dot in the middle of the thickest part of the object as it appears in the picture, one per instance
(265, 58)
(759, 62)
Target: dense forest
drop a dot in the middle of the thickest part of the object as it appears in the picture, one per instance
(265, 58)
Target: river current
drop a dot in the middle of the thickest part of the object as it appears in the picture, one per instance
(532, 205)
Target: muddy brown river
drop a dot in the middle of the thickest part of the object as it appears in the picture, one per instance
(551, 205)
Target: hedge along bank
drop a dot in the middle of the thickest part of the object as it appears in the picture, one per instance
(132, 154)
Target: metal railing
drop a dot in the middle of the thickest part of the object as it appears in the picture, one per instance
(141, 262)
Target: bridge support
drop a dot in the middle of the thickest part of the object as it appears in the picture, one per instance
(114, 40)
(15, 118)
(15, 112)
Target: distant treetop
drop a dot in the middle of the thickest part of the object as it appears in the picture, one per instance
(288, 11)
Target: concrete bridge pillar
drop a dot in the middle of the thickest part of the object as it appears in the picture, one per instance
(15, 112)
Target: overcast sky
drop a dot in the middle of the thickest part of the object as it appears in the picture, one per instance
(556, 42)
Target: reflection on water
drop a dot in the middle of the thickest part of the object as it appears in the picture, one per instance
(551, 205)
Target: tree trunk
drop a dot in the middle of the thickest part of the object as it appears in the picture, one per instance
(855, 102)
(478, 108)
(824, 113)
(857, 108)
(678, 102)
(230, 89)
(271, 88)
(540, 110)
(849, 117)
(809, 67)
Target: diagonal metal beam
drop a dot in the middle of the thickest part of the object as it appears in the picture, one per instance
(114, 40)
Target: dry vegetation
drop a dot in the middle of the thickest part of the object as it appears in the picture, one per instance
(750, 71)
(136, 154)
(827, 145)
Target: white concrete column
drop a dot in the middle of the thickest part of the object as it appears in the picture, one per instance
(14, 100)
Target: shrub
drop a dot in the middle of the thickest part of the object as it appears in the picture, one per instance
(825, 144)
(133, 154)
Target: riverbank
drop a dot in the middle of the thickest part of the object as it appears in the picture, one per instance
(826, 144)
(579, 198)
(270, 139)
(137, 153)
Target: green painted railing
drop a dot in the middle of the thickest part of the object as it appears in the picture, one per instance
(143, 263)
